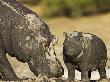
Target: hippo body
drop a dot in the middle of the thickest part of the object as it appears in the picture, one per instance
(84, 52)
(25, 36)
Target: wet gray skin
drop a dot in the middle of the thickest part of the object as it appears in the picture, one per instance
(84, 52)
(25, 36)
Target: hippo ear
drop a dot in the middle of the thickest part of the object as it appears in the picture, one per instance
(54, 40)
(81, 34)
(65, 34)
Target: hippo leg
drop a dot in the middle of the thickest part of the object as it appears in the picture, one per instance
(84, 72)
(89, 74)
(0, 77)
(5, 68)
(71, 69)
(102, 72)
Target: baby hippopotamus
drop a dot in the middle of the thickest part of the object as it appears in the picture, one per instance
(84, 52)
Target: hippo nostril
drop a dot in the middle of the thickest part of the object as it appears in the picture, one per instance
(46, 46)
(62, 69)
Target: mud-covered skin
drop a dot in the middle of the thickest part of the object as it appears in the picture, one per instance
(86, 53)
(25, 36)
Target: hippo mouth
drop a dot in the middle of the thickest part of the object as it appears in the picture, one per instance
(53, 63)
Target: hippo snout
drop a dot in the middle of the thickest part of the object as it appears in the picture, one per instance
(54, 68)
(61, 71)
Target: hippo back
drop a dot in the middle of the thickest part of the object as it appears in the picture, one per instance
(95, 49)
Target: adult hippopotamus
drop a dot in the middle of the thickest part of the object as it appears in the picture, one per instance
(85, 52)
(25, 36)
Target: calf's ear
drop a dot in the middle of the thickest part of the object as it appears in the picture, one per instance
(80, 35)
(65, 34)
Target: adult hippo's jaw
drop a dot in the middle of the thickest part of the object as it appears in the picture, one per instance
(48, 64)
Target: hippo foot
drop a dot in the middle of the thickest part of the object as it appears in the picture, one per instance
(64, 77)
(62, 80)
(103, 80)
(13, 79)
(68, 80)
(85, 80)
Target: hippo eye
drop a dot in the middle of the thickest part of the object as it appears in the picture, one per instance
(68, 39)
(53, 62)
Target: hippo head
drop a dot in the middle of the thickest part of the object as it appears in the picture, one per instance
(42, 58)
(73, 43)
